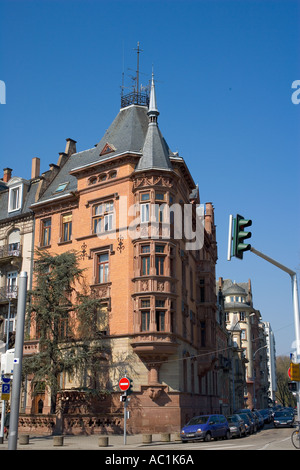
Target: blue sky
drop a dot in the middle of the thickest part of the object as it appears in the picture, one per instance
(224, 72)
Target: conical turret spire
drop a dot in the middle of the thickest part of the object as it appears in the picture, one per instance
(155, 151)
(153, 112)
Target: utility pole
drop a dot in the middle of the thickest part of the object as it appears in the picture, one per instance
(17, 374)
(138, 51)
(254, 376)
(295, 299)
(4, 401)
(236, 240)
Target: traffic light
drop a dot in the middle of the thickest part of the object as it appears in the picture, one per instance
(240, 235)
(129, 391)
(292, 386)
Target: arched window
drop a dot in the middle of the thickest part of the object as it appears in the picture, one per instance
(14, 239)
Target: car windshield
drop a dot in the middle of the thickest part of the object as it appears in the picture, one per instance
(198, 420)
(245, 417)
(282, 414)
(231, 419)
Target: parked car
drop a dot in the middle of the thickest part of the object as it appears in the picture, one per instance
(267, 415)
(236, 425)
(261, 421)
(205, 427)
(249, 424)
(251, 416)
(283, 418)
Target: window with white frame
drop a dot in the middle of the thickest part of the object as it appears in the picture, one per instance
(145, 212)
(103, 217)
(15, 198)
(11, 286)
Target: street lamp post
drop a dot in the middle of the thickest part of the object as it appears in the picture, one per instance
(254, 397)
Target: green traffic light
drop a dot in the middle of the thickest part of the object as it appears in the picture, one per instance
(240, 235)
(130, 391)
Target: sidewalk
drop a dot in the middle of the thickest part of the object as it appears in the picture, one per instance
(115, 442)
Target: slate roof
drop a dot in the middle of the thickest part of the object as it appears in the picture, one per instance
(29, 197)
(133, 132)
(155, 151)
(130, 132)
(234, 289)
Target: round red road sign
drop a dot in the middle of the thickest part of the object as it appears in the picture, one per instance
(124, 384)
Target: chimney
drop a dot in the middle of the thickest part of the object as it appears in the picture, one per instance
(209, 217)
(70, 146)
(35, 168)
(7, 174)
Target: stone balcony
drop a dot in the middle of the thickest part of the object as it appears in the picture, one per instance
(8, 252)
(31, 347)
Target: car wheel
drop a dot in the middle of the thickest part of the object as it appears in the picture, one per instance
(207, 437)
(227, 435)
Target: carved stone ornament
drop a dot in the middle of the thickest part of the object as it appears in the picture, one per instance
(155, 392)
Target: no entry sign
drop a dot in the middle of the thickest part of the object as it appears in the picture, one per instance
(124, 384)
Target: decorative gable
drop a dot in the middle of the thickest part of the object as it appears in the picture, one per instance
(108, 148)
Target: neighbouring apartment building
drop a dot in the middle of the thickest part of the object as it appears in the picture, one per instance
(248, 336)
(109, 203)
(16, 244)
(271, 358)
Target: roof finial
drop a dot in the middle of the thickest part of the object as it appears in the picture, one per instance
(152, 112)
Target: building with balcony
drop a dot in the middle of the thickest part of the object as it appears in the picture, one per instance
(155, 278)
(16, 244)
(271, 361)
(248, 335)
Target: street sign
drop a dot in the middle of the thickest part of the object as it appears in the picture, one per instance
(5, 391)
(294, 372)
(124, 384)
(5, 380)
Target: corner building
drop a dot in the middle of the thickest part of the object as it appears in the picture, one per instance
(159, 296)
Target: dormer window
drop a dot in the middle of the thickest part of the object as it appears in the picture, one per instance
(15, 195)
(15, 200)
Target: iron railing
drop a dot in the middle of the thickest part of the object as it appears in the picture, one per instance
(12, 250)
(8, 293)
(135, 98)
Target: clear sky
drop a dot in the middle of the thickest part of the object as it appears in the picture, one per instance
(224, 72)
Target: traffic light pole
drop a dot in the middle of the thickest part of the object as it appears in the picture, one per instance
(125, 421)
(17, 374)
(295, 307)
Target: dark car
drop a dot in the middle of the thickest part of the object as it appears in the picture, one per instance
(251, 416)
(249, 424)
(267, 415)
(236, 425)
(283, 418)
(261, 421)
(205, 427)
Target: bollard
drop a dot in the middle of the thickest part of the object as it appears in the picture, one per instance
(58, 440)
(147, 438)
(165, 437)
(103, 441)
(24, 439)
